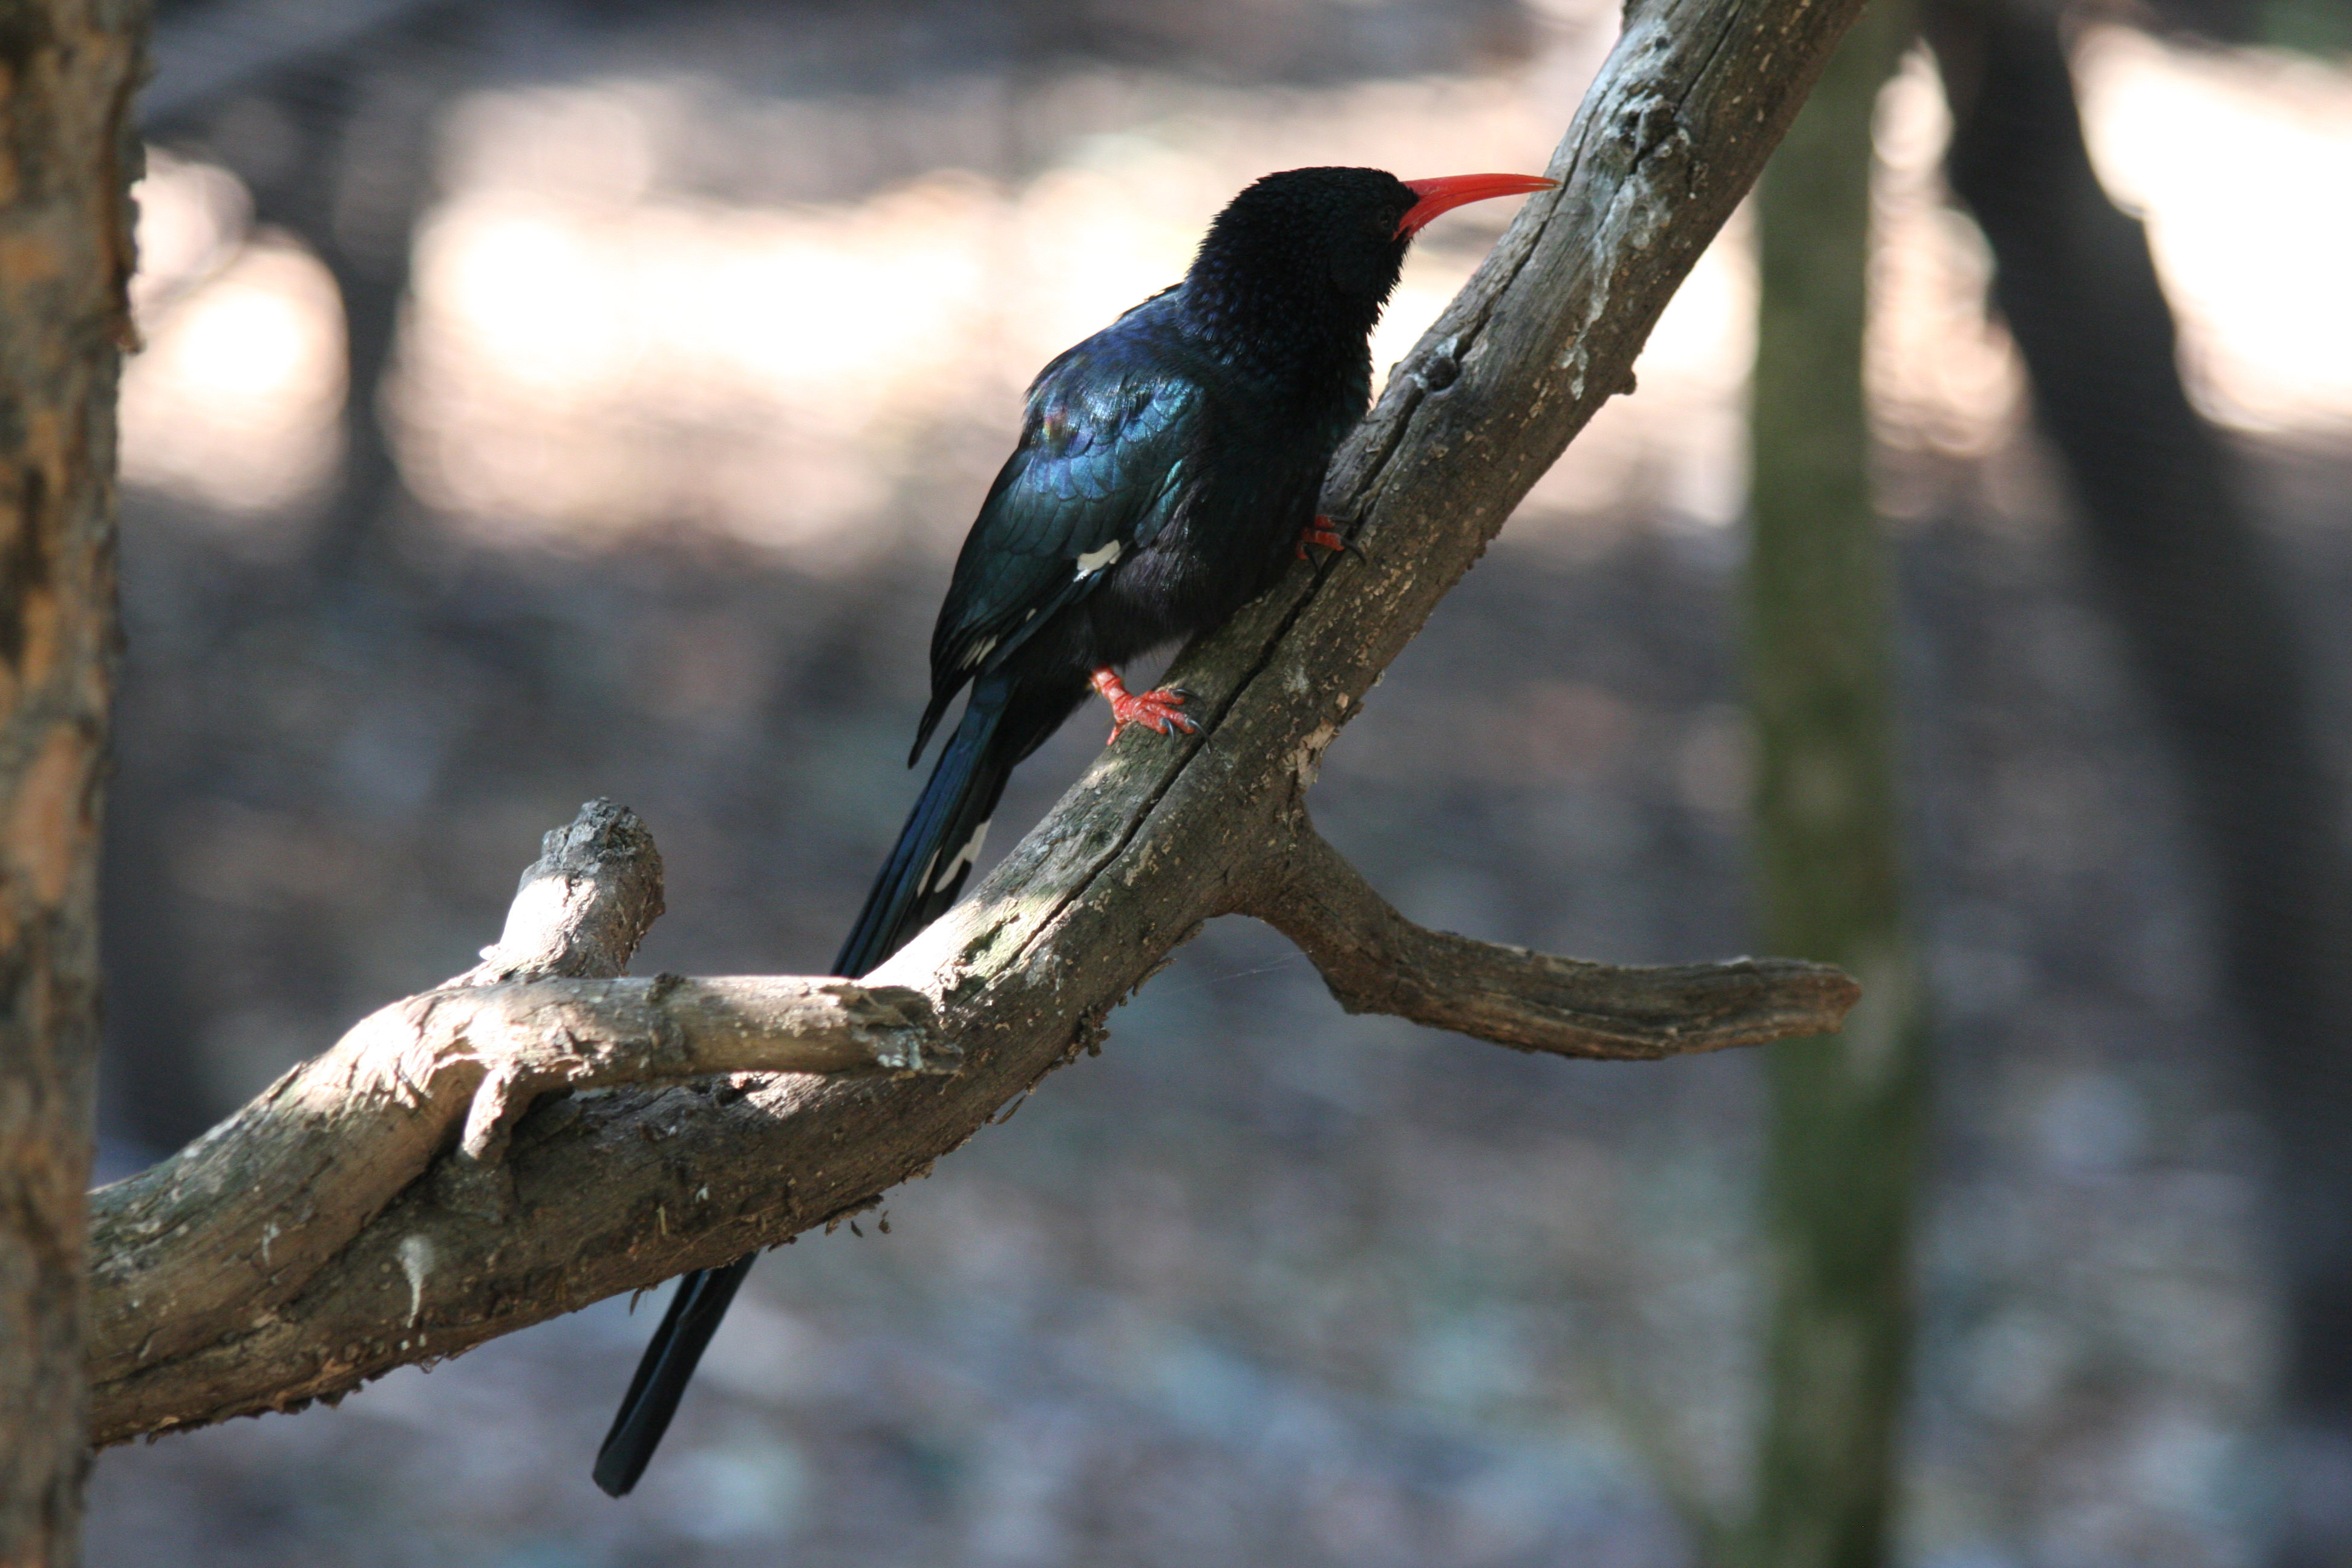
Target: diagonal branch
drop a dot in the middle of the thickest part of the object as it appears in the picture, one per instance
(1376, 961)
(600, 1193)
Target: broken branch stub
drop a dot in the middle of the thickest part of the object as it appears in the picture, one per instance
(583, 906)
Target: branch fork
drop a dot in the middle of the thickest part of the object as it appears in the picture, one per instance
(425, 1186)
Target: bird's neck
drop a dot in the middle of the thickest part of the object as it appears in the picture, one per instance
(1274, 320)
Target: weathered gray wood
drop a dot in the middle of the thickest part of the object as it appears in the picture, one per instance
(238, 1221)
(582, 906)
(618, 1192)
(68, 68)
(195, 1249)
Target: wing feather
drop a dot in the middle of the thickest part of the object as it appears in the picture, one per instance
(1108, 446)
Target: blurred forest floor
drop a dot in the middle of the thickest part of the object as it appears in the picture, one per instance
(690, 440)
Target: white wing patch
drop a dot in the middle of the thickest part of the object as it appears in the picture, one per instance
(1096, 560)
(962, 861)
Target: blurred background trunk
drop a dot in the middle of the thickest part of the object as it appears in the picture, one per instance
(1848, 1112)
(2199, 599)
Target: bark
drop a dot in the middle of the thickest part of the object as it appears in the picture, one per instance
(600, 1193)
(2210, 626)
(1846, 1111)
(67, 71)
(1376, 961)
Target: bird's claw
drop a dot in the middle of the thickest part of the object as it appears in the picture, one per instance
(1156, 711)
(1153, 709)
(1322, 536)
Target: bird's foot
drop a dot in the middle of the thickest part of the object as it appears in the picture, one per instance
(1153, 709)
(1321, 535)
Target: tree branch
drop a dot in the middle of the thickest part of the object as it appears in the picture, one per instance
(1376, 961)
(197, 1247)
(619, 1191)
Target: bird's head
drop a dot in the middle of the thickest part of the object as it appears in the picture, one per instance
(1334, 239)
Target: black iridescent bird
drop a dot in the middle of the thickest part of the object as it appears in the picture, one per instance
(1168, 467)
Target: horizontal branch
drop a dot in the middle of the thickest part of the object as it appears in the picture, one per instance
(371, 1114)
(600, 1193)
(1376, 961)
(193, 1249)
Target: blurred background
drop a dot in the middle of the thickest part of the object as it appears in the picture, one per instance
(566, 398)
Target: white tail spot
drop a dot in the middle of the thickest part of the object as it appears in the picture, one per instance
(963, 858)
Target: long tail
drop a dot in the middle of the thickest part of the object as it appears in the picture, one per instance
(941, 839)
(686, 1330)
(918, 882)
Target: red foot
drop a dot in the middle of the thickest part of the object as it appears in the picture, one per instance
(1320, 534)
(1153, 709)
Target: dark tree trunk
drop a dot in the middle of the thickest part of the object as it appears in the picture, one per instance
(68, 68)
(2202, 608)
(354, 192)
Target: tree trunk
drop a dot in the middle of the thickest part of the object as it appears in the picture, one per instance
(68, 68)
(1846, 1109)
(2212, 633)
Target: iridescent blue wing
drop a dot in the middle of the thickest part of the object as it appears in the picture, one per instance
(1111, 438)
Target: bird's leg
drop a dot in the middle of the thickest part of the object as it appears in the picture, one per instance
(1322, 536)
(1153, 709)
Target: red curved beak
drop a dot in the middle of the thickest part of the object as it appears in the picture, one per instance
(1445, 195)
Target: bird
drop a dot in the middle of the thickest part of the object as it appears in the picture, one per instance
(1168, 469)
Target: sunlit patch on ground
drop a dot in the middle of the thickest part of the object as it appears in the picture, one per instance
(1944, 377)
(601, 353)
(2239, 160)
(594, 350)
